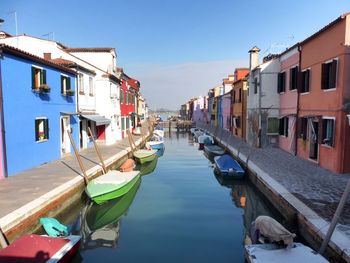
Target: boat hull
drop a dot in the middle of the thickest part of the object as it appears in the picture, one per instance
(144, 158)
(157, 146)
(214, 150)
(100, 199)
(36, 248)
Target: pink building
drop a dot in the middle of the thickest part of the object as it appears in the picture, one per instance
(287, 88)
(226, 110)
(200, 109)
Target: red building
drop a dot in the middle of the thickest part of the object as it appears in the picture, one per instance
(128, 103)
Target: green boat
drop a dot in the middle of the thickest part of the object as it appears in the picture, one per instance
(144, 156)
(147, 168)
(111, 185)
(99, 216)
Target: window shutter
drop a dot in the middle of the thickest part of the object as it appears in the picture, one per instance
(279, 83)
(298, 127)
(333, 75)
(320, 130)
(324, 76)
(299, 81)
(291, 76)
(44, 76)
(280, 127)
(68, 83)
(33, 78)
(36, 130)
(62, 84)
(307, 81)
(287, 124)
(46, 128)
(333, 131)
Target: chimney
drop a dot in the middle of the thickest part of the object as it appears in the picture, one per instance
(47, 56)
(253, 57)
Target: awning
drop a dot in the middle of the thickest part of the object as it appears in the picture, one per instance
(100, 120)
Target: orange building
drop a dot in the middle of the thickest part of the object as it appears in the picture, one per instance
(324, 97)
(239, 102)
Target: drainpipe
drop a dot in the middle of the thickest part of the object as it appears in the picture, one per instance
(3, 125)
(297, 113)
(259, 132)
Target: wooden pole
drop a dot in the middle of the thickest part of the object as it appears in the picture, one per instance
(98, 151)
(130, 142)
(82, 168)
(335, 218)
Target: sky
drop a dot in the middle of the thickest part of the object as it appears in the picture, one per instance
(177, 49)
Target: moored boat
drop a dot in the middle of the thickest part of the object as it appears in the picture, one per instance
(127, 166)
(228, 167)
(205, 139)
(111, 185)
(160, 133)
(144, 156)
(266, 253)
(214, 150)
(148, 168)
(37, 248)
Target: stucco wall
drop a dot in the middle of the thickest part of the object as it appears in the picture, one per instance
(22, 106)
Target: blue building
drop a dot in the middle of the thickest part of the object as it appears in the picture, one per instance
(37, 108)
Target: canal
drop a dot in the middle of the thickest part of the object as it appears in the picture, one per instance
(179, 212)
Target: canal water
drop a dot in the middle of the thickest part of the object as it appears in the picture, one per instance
(180, 211)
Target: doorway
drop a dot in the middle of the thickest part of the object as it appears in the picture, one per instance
(65, 127)
(313, 152)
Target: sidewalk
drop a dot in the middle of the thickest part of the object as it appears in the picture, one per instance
(317, 188)
(26, 193)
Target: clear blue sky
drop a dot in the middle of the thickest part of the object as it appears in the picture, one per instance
(180, 48)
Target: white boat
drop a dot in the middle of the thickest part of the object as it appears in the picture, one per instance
(269, 253)
(160, 133)
(192, 130)
(155, 143)
(197, 134)
(205, 139)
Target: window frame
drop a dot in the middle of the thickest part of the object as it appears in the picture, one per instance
(329, 79)
(281, 82)
(303, 80)
(330, 142)
(91, 86)
(268, 126)
(38, 82)
(65, 84)
(293, 78)
(81, 85)
(41, 135)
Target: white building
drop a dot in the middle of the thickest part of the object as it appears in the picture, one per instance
(98, 88)
(262, 100)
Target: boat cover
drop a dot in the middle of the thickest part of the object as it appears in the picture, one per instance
(273, 230)
(206, 139)
(215, 149)
(144, 153)
(226, 163)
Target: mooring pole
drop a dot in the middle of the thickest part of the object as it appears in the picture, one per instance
(98, 151)
(82, 168)
(335, 218)
(3, 240)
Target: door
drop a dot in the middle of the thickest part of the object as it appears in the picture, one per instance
(313, 154)
(101, 132)
(65, 143)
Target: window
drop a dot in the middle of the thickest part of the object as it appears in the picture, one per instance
(305, 81)
(41, 129)
(81, 83)
(328, 132)
(234, 96)
(281, 86)
(127, 123)
(272, 126)
(303, 128)
(293, 78)
(240, 96)
(123, 123)
(39, 80)
(91, 87)
(283, 126)
(127, 97)
(329, 73)
(212, 117)
(236, 121)
(255, 85)
(65, 85)
(121, 96)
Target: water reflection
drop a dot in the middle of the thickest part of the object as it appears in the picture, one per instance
(147, 168)
(100, 223)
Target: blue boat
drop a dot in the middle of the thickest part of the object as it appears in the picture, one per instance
(228, 167)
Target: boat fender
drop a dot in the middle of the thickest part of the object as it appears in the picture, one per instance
(53, 227)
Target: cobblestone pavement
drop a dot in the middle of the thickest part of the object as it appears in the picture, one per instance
(318, 188)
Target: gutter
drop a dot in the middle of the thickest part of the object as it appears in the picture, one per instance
(3, 123)
(298, 98)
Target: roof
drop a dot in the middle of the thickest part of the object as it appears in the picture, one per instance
(90, 49)
(71, 64)
(227, 81)
(340, 18)
(112, 77)
(26, 55)
(254, 49)
(134, 83)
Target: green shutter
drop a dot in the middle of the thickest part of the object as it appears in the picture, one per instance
(123, 124)
(68, 83)
(36, 130)
(33, 78)
(62, 84)
(46, 128)
(43, 76)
